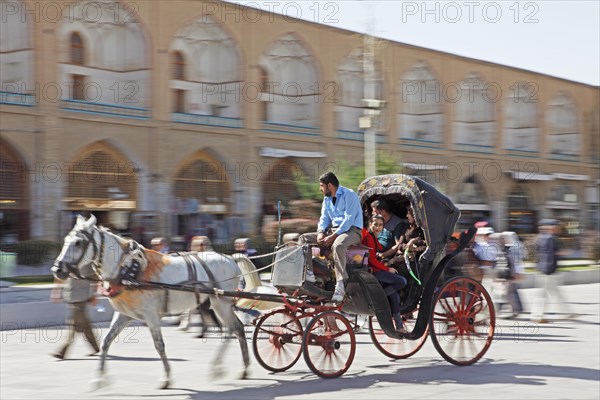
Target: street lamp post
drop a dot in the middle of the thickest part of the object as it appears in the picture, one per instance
(372, 106)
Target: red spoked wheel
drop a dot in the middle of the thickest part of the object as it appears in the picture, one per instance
(329, 344)
(397, 348)
(277, 341)
(463, 321)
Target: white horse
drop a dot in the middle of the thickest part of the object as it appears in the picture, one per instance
(114, 259)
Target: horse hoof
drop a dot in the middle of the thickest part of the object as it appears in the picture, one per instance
(245, 375)
(99, 383)
(217, 373)
(164, 384)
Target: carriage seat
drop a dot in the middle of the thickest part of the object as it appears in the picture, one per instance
(357, 257)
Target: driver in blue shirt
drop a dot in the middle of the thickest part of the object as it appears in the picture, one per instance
(339, 227)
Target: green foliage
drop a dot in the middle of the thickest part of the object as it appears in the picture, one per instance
(36, 252)
(349, 175)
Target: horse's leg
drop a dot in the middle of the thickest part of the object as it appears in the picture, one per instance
(118, 323)
(207, 315)
(153, 322)
(224, 309)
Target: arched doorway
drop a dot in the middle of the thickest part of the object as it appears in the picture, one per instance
(103, 182)
(472, 200)
(521, 217)
(14, 198)
(280, 184)
(202, 199)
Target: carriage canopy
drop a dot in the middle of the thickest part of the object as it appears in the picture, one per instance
(433, 211)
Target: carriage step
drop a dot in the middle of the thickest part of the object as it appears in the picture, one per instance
(312, 290)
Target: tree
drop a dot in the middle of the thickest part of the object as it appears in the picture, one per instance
(349, 175)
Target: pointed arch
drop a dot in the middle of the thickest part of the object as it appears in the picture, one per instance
(17, 60)
(201, 180)
(351, 81)
(212, 81)
(562, 117)
(280, 184)
(521, 130)
(474, 116)
(14, 195)
(420, 115)
(101, 174)
(109, 55)
(471, 191)
(293, 89)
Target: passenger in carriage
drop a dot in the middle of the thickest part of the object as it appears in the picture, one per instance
(393, 226)
(388, 276)
(339, 227)
(412, 239)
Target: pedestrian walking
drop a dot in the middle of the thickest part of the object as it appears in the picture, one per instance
(486, 252)
(515, 252)
(547, 280)
(77, 293)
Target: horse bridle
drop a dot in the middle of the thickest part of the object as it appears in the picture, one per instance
(87, 239)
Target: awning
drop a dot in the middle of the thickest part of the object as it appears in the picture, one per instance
(424, 167)
(472, 207)
(530, 176)
(570, 177)
(283, 153)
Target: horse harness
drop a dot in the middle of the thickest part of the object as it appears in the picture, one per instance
(189, 258)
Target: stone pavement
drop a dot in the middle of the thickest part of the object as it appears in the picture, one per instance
(558, 360)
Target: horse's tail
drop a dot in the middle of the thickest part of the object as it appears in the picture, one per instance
(253, 284)
(250, 275)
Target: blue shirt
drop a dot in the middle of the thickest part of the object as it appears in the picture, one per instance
(386, 238)
(345, 214)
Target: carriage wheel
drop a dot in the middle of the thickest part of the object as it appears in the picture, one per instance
(329, 344)
(463, 321)
(397, 348)
(277, 341)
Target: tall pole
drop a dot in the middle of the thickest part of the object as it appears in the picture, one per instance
(369, 95)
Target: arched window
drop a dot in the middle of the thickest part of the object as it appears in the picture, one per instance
(471, 192)
(202, 181)
(474, 117)
(77, 49)
(294, 91)
(208, 59)
(420, 115)
(351, 78)
(521, 118)
(101, 174)
(563, 126)
(178, 66)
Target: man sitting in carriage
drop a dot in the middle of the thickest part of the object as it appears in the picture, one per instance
(339, 227)
(393, 227)
(411, 240)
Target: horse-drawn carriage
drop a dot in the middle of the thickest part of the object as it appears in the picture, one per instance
(457, 314)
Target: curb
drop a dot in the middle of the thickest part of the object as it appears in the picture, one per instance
(29, 307)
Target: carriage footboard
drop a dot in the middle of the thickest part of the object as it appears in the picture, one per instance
(376, 300)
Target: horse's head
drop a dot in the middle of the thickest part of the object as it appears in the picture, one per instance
(79, 252)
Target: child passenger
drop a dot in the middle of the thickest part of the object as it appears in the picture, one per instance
(388, 276)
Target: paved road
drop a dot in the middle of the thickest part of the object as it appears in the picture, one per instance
(557, 360)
